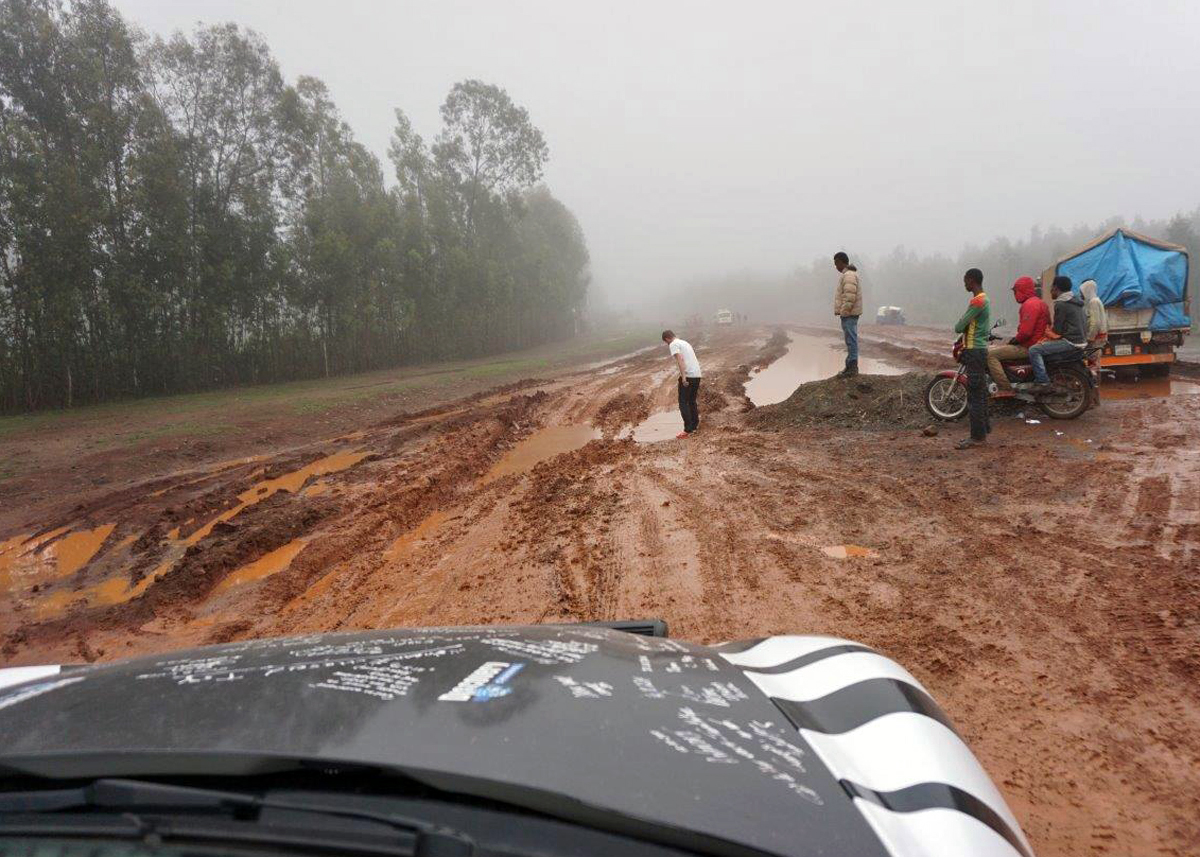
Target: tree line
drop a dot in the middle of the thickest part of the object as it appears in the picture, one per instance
(175, 216)
(927, 286)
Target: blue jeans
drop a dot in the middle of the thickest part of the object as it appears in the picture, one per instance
(850, 331)
(1038, 354)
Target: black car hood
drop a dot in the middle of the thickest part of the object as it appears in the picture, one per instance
(580, 722)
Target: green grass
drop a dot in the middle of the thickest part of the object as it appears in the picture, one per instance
(188, 429)
(207, 413)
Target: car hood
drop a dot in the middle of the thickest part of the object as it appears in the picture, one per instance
(692, 744)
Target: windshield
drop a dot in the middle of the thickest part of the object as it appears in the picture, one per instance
(285, 814)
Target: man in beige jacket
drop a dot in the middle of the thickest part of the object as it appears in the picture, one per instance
(847, 305)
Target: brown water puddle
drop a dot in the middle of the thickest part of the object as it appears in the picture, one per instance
(610, 362)
(540, 446)
(289, 482)
(20, 562)
(663, 425)
(1147, 388)
(848, 552)
(418, 533)
(264, 566)
(10, 552)
(313, 592)
(115, 590)
(808, 358)
(316, 489)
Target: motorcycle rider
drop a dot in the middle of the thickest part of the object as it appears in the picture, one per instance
(1097, 328)
(1067, 335)
(1035, 318)
(1097, 316)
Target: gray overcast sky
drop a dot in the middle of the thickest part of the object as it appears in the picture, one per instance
(694, 138)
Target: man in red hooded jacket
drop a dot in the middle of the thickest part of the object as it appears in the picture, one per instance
(1035, 318)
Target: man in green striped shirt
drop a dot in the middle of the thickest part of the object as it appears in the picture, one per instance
(975, 325)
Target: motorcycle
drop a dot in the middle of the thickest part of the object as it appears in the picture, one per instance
(1071, 380)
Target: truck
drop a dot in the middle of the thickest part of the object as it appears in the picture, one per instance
(889, 315)
(724, 316)
(1143, 283)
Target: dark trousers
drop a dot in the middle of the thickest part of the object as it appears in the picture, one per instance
(687, 404)
(975, 361)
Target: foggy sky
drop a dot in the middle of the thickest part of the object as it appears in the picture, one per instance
(697, 138)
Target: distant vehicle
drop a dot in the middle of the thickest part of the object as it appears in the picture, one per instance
(1144, 285)
(724, 316)
(588, 740)
(889, 315)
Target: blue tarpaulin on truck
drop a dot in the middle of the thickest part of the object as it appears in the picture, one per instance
(1135, 272)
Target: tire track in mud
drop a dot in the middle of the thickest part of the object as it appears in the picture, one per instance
(662, 557)
(384, 499)
(398, 502)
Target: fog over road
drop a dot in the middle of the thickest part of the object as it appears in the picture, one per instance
(693, 138)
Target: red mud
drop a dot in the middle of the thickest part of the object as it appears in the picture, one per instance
(1045, 588)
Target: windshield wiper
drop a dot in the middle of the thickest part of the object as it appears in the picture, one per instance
(129, 796)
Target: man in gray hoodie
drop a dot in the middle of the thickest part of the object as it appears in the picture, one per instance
(1068, 333)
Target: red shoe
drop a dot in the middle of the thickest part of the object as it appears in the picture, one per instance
(682, 435)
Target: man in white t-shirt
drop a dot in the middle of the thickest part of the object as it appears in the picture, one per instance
(689, 381)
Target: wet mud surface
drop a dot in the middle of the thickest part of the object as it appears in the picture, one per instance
(1046, 588)
(807, 358)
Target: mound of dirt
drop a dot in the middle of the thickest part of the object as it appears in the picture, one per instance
(774, 348)
(621, 410)
(869, 402)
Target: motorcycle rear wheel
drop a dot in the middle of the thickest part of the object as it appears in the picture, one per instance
(1073, 401)
(946, 398)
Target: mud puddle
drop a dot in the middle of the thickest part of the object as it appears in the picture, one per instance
(664, 425)
(543, 444)
(289, 482)
(848, 552)
(266, 565)
(114, 590)
(808, 358)
(420, 532)
(609, 364)
(1148, 388)
(49, 557)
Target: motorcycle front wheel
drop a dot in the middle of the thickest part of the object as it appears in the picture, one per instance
(946, 399)
(1071, 397)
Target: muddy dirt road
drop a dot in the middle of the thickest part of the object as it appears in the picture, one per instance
(1046, 588)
